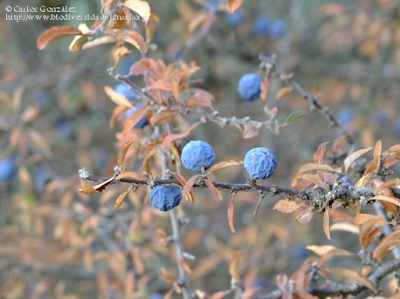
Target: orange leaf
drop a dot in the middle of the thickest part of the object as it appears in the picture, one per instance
(54, 33)
(388, 184)
(326, 224)
(189, 185)
(214, 190)
(131, 175)
(231, 216)
(354, 156)
(122, 152)
(234, 266)
(224, 164)
(320, 250)
(163, 117)
(136, 116)
(132, 37)
(117, 98)
(186, 267)
(283, 92)
(365, 229)
(121, 198)
(319, 155)
(173, 137)
(331, 253)
(142, 8)
(118, 111)
(147, 161)
(233, 5)
(286, 206)
(314, 166)
(87, 189)
(363, 218)
(392, 200)
(354, 276)
(303, 215)
(162, 85)
(166, 276)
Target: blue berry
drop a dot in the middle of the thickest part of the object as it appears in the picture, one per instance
(211, 5)
(7, 169)
(261, 26)
(348, 180)
(249, 86)
(346, 116)
(165, 199)
(300, 251)
(156, 296)
(196, 154)
(236, 18)
(260, 163)
(260, 282)
(123, 89)
(143, 122)
(277, 28)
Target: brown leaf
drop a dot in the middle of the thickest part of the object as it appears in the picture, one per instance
(186, 267)
(224, 164)
(162, 234)
(319, 155)
(354, 276)
(354, 156)
(392, 200)
(283, 92)
(388, 184)
(131, 175)
(98, 42)
(132, 37)
(320, 250)
(231, 216)
(364, 180)
(313, 166)
(147, 161)
(162, 85)
(250, 131)
(87, 189)
(286, 206)
(234, 266)
(76, 44)
(117, 98)
(365, 229)
(121, 198)
(169, 278)
(388, 244)
(101, 186)
(303, 215)
(135, 118)
(363, 218)
(118, 52)
(54, 33)
(189, 185)
(118, 111)
(331, 253)
(174, 137)
(316, 180)
(264, 89)
(163, 117)
(233, 5)
(377, 154)
(326, 224)
(345, 226)
(142, 8)
(213, 189)
(122, 152)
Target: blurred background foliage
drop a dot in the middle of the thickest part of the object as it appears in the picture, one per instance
(54, 115)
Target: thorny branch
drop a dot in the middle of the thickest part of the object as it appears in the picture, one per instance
(337, 289)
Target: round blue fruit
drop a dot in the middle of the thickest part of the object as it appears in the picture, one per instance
(156, 296)
(260, 163)
(236, 18)
(165, 198)
(249, 86)
(348, 180)
(261, 26)
(211, 5)
(143, 122)
(7, 169)
(124, 89)
(197, 154)
(346, 116)
(277, 28)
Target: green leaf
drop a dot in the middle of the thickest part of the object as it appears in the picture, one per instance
(292, 117)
